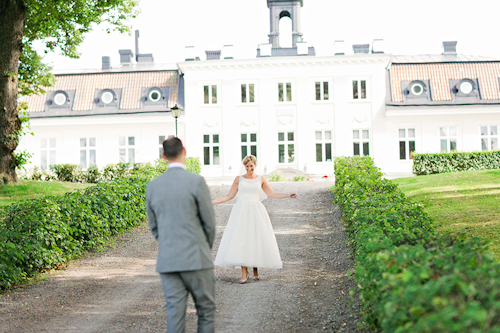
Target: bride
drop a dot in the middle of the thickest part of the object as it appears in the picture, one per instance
(249, 240)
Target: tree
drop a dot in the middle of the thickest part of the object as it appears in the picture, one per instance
(60, 25)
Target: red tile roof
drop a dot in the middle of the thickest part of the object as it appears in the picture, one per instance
(86, 84)
(439, 74)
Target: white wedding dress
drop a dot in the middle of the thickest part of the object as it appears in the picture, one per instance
(249, 238)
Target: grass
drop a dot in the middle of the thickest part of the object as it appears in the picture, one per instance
(460, 201)
(29, 189)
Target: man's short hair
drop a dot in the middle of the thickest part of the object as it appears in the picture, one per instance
(172, 147)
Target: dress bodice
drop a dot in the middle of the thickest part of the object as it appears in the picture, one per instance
(249, 189)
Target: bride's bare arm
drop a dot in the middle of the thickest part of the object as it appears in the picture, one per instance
(231, 194)
(270, 193)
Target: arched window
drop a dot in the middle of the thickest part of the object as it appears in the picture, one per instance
(285, 29)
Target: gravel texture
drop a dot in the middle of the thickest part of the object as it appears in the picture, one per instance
(118, 290)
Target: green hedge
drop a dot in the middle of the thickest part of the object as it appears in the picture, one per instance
(45, 232)
(410, 278)
(425, 164)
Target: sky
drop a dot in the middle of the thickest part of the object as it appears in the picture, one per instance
(407, 27)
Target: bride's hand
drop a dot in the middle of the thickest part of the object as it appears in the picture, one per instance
(294, 196)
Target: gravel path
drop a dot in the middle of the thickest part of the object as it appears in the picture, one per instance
(117, 290)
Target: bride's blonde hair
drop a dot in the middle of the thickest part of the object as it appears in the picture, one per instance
(249, 158)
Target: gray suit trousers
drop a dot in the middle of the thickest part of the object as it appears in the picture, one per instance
(201, 285)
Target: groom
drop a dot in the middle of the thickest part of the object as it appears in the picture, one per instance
(182, 220)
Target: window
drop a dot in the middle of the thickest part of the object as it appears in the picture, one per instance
(361, 142)
(210, 94)
(87, 152)
(282, 92)
(248, 144)
(162, 138)
(127, 149)
(448, 138)
(248, 93)
(406, 143)
(322, 91)
(489, 137)
(211, 149)
(359, 89)
(47, 153)
(286, 147)
(323, 146)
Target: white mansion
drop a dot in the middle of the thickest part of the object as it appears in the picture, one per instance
(292, 109)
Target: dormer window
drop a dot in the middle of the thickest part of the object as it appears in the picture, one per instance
(464, 88)
(155, 95)
(107, 97)
(60, 98)
(417, 89)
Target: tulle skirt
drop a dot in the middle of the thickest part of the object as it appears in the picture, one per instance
(249, 238)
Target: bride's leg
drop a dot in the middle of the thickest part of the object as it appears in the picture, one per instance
(244, 272)
(255, 273)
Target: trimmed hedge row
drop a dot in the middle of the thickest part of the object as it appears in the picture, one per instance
(410, 278)
(425, 164)
(45, 232)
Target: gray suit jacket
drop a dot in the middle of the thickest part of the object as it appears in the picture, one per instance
(182, 220)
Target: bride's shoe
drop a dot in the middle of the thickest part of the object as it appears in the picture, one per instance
(256, 278)
(243, 281)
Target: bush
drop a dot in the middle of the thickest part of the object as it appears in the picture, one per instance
(410, 278)
(299, 178)
(42, 233)
(66, 172)
(276, 176)
(425, 164)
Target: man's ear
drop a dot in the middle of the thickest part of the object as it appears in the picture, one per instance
(163, 156)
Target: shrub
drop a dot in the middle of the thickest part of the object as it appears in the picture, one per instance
(65, 172)
(410, 278)
(425, 164)
(276, 176)
(299, 178)
(42, 233)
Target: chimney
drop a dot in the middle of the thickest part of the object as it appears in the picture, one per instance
(450, 48)
(227, 52)
(189, 53)
(106, 62)
(126, 57)
(142, 57)
(137, 45)
(361, 48)
(213, 55)
(378, 46)
(339, 47)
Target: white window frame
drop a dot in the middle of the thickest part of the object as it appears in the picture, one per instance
(48, 148)
(322, 91)
(129, 152)
(249, 145)
(322, 142)
(286, 142)
(361, 138)
(407, 137)
(491, 138)
(88, 147)
(210, 88)
(246, 86)
(447, 137)
(359, 86)
(285, 84)
(213, 146)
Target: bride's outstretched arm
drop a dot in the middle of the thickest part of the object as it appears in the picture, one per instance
(231, 194)
(270, 193)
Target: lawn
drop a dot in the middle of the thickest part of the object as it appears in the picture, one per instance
(28, 189)
(460, 201)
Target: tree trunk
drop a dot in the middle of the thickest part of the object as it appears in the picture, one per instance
(12, 16)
